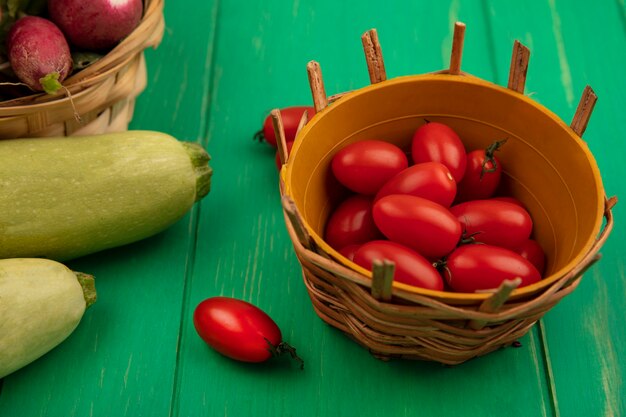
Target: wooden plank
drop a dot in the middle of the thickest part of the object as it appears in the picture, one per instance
(121, 360)
(243, 249)
(583, 334)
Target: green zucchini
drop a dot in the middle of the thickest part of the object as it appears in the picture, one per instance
(65, 197)
(41, 303)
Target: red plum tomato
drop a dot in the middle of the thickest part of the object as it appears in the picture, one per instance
(349, 251)
(365, 166)
(422, 225)
(291, 120)
(429, 180)
(482, 176)
(410, 267)
(476, 267)
(494, 222)
(509, 199)
(532, 251)
(239, 330)
(351, 223)
(437, 142)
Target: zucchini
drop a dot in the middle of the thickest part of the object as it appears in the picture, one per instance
(65, 197)
(41, 303)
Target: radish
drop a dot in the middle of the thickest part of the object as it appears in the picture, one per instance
(96, 24)
(39, 54)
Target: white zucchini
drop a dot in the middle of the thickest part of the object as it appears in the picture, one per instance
(41, 303)
(65, 197)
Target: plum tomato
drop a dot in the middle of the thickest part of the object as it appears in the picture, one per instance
(437, 142)
(509, 199)
(365, 166)
(291, 120)
(349, 251)
(410, 267)
(351, 223)
(494, 222)
(476, 267)
(239, 330)
(533, 251)
(482, 174)
(422, 225)
(429, 180)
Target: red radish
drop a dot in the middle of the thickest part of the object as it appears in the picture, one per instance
(39, 54)
(96, 24)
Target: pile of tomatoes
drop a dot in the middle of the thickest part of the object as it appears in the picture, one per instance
(432, 213)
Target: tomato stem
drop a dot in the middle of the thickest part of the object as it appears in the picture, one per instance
(490, 157)
(282, 348)
(259, 136)
(469, 239)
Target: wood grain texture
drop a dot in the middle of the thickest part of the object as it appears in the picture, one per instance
(250, 256)
(121, 360)
(219, 71)
(583, 333)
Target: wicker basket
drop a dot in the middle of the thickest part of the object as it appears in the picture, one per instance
(563, 193)
(102, 95)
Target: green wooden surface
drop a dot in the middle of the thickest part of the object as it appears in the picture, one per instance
(221, 67)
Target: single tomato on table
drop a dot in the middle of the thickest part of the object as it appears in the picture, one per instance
(239, 330)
